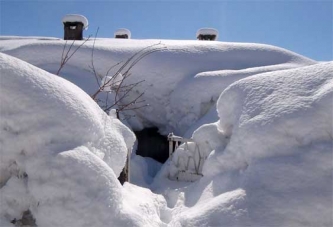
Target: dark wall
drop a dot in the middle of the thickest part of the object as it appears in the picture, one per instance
(73, 31)
(152, 144)
(121, 37)
(206, 37)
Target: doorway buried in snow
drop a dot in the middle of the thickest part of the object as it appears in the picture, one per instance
(152, 144)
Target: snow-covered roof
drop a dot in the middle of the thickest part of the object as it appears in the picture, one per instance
(168, 101)
(234, 95)
(123, 31)
(76, 18)
(207, 31)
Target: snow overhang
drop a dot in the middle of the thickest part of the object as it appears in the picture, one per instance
(207, 31)
(122, 32)
(76, 18)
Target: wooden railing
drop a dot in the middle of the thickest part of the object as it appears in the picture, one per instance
(187, 172)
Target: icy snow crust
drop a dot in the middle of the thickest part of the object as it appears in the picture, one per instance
(269, 144)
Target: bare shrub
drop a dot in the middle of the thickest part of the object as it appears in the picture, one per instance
(117, 85)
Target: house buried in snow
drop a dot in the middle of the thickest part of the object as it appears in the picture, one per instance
(207, 34)
(74, 25)
(122, 33)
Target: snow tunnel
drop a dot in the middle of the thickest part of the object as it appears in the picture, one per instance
(152, 144)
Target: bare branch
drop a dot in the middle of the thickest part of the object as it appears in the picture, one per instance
(92, 59)
(136, 108)
(78, 47)
(63, 51)
(118, 85)
(124, 106)
(67, 57)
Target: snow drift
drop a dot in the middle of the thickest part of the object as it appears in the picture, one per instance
(181, 82)
(270, 154)
(268, 145)
(61, 154)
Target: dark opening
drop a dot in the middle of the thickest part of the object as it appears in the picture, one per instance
(152, 144)
(26, 220)
(121, 36)
(206, 37)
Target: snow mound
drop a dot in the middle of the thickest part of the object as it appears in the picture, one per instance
(227, 209)
(268, 143)
(293, 105)
(274, 143)
(61, 154)
(45, 111)
(143, 170)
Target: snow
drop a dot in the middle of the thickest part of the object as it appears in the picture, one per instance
(227, 209)
(172, 76)
(260, 115)
(143, 170)
(294, 105)
(31, 112)
(270, 153)
(109, 83)
(149, 209)
(76, 18)
(60, 153)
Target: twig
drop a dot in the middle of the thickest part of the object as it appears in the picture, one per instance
(68, 56)
(92, 58)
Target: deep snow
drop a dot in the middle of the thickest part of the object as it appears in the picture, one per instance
(270, 154)
(61, 155)
(268, 140)
(172, 77)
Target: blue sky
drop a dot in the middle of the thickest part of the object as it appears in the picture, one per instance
(304, 27)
